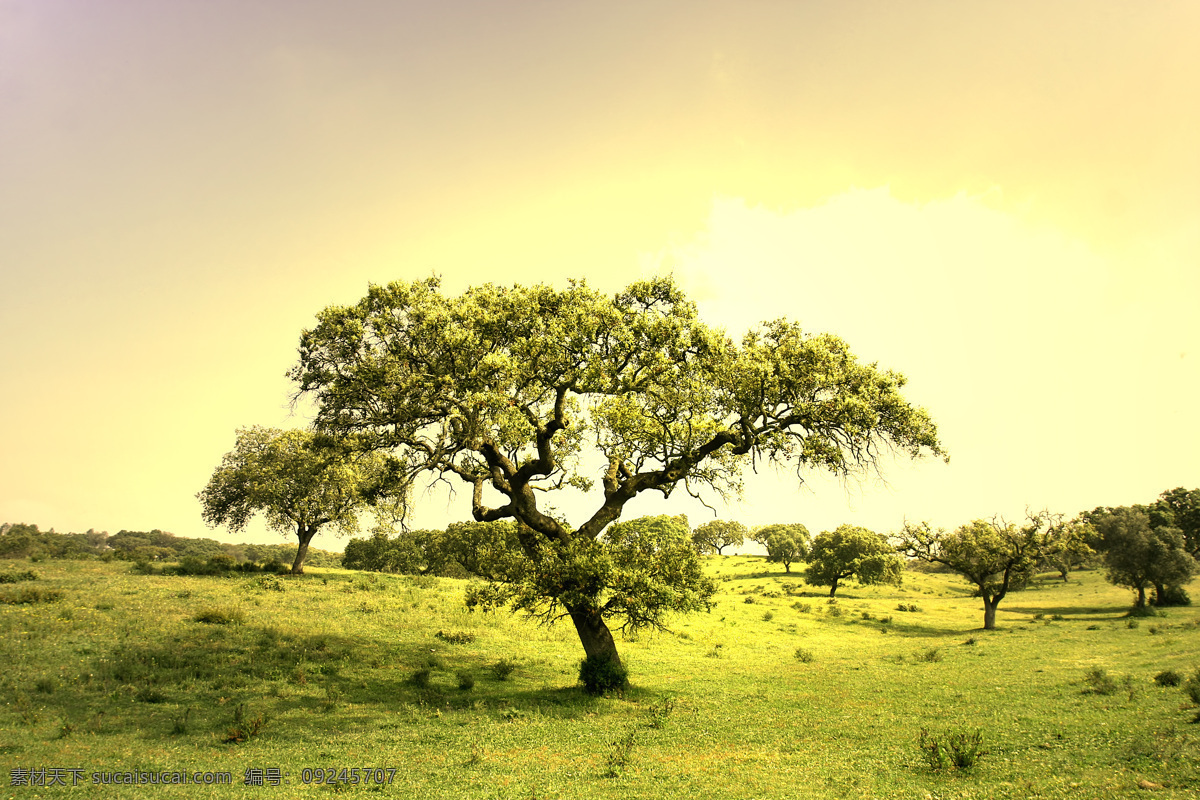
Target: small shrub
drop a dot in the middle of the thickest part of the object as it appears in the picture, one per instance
(17, 577)
(620, 755)
(971, 641)
(767, 616)
(181, 723)
(1093, 627)
(660, 711)
(886, 620)
(866, 615)
(1038, 617)
(30, 596)
(960, 750)
(834, 611)
(465, 681)
(44, 685)
(455, 637)
(1168, 677)
(220, 616)
(1099, 682)
(150, 694)
(1058, 617)
(803, 608)
(602, 674)
(503, 668)
(1192, 688)
(907, 607)
(244, 730)
(930, 654)
(749, 600)
(269, 583)
(421, 678)
(715, 652)
(1132, 624)
(803, 656)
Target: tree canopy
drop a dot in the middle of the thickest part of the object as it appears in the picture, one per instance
(297, 483)
(715, 535)
(509, 391)
(852, 552)
(995, 555)
(786, 543)
(1139, 556)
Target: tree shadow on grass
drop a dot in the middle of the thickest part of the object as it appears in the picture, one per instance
(1078, 613)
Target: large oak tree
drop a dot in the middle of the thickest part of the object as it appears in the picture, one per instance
(511, 391)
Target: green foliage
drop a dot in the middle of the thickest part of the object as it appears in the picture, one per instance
(1168, 677)
(244, 729)
(619, 755)
(466, 681)
(297, 482)
(601, 674)
(503, 669)
(1140, 556)
(455, 637)
(508, 389)
(1098, 681)
(17, 577)
(218, 615)
(715, 536)
(995, 556)
(638, 573)
(785, 543)
(958, 750)
(854, 552)
(1191, 687)
(803, 655)
(29, 595)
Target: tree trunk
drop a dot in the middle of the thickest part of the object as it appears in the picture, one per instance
(1160, 594)
(594, 634)
(989, 614)
(1141, 597)
(833, 588)
(305, 535)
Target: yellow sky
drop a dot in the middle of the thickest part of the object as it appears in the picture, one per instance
(997, 199)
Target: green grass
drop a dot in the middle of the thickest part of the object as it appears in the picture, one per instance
(337, 669)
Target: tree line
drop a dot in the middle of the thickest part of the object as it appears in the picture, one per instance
(25, 540)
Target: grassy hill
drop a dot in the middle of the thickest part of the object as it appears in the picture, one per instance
(777, 693)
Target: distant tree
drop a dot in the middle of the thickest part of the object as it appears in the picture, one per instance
(852, 552)
(1070, 549)
(716, 535)
(995, 555)
(786, 543)
(1139, 556)
(298, 484)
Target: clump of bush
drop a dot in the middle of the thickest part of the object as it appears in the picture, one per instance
(960, 750)
(455, 637)
(220, 616)
(503, 668)
(17, 577)
(466, 681)
(930, 654)
(803, 608)
(907, 607)
(1168, 677)
(602, 674)
(30, 595)
(803, 656)
(1099, 682)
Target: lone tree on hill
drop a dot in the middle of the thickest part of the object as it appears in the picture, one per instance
(716, 535)
(852, 552)
(995, 555)
(785, 542)
(296, 483)
(506, 389)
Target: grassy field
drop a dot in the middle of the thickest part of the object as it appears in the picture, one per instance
(775, 694)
